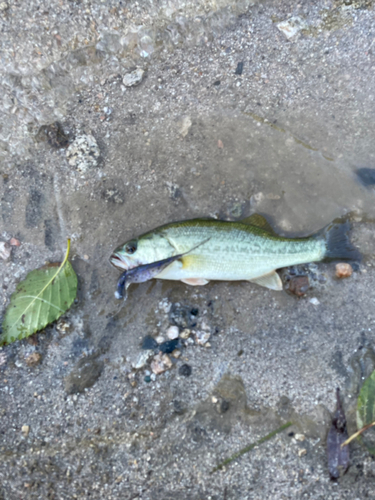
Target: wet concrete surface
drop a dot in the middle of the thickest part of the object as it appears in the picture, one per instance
(291, 136)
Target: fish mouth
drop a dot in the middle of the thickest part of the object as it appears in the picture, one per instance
(120, 262)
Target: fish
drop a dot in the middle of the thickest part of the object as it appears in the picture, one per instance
(146, 272)
(243, 250)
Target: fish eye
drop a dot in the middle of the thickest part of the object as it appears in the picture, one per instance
(131, 247)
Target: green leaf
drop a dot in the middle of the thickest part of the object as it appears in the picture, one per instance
(366, 411)
(40, 299)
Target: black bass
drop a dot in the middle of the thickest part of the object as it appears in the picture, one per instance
(246, 250)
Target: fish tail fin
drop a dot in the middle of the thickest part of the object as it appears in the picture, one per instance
(338, 244)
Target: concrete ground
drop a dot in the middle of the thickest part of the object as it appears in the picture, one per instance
(83, 413)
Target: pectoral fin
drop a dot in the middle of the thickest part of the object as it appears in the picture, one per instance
(192, 261)
(271, 280)
(195, 281)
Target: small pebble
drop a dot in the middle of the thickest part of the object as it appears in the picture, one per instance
(299, 437)
(302, 452)
(34, 359)
(142, 360)
(161, 363)
(220, 144)
(256, 199)
(272, 196)
(172, 332)
(343, 270)
(63, 326)
(185, 370)
(184, 126)
(205, 326)
(25, 429)
(165, 305)
(314, 301)
(292, 26)
(169, 346)
(149, 343)
(182, 316)
(3, 358)
(5, 250)
(14, 242)
(224, 406)
(201, 337)
(185, 334)
(160, 339)
(298, 285)
(147, 379)
(83, 153)
(239, 68)
(133, 78)
(176, 353)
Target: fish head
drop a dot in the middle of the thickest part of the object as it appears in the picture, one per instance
(146, 249)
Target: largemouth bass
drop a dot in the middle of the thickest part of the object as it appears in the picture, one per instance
(246, 250)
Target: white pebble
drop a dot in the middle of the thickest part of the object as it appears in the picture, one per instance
(5, 250)
(134, 78)
(142, 359)
(83, 153)
(25, 429)
(202, 337)
(172, 332)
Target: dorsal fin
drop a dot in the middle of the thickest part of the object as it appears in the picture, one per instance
(258, 221)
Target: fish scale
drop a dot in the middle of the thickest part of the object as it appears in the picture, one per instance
(257, 254)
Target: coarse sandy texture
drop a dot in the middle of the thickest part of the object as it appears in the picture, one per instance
(193, 138)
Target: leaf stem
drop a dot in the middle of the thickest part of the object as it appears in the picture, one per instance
(66, 255)
(251, 446)
(356, 434)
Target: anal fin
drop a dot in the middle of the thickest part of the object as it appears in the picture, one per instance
(270, 280)
(195, 281)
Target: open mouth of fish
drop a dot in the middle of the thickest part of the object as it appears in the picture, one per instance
(121, 263)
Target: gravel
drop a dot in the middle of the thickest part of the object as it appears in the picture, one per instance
(289, 137)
